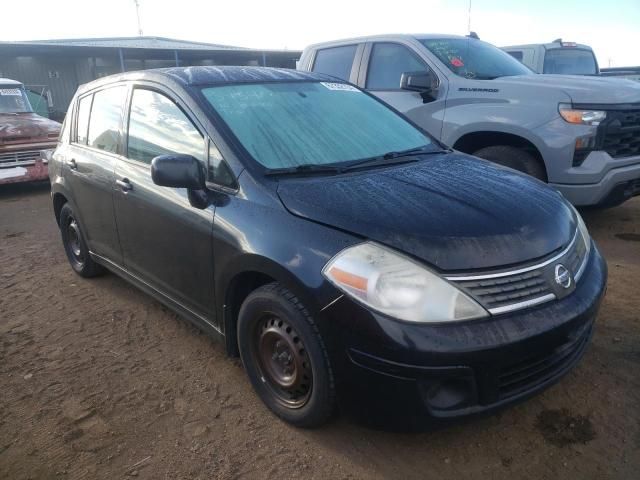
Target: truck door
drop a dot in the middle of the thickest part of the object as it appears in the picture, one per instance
(382, 67)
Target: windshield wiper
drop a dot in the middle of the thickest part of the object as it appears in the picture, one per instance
(392, 158)
(304, 169)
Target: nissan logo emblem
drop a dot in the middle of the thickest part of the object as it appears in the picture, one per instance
(563, 277)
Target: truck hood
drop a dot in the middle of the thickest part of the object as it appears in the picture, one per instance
(454, 212)
(581, 89)
(27, 127)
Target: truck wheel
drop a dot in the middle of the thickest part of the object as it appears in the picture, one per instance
(284, 357)
(75, 246)
(515, 158)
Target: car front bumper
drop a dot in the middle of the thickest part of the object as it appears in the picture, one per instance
(24, 173)
(606, 183)
(398, 375)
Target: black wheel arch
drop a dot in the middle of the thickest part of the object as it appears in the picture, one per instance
(474, 141)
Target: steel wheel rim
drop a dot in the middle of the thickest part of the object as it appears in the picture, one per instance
(73, 240)
(283, 362)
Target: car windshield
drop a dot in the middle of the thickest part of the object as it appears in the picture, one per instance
(14, 100)
(472, 58)
(570, 61)
(293, 124)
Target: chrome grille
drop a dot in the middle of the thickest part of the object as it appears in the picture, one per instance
(505, 291)
(17, 159)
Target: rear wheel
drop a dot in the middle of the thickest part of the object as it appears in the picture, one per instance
(75, 246)
(515, 158)
(284, 357)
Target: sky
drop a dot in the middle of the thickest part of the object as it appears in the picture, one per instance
(611, 27)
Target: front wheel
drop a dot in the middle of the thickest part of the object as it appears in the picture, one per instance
(284, 357)
(515, 158)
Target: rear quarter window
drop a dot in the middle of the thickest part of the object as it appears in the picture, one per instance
(82, 122)
(335, 61)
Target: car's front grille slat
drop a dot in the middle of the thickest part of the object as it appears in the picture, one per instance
(20, 158)
(622, 133)
(519, 378)
(522, 287)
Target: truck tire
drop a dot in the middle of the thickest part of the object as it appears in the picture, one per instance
(514, 157)
(75, 246)
(285, 358)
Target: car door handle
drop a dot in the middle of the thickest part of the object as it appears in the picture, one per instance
(72, 164)
(124, 184)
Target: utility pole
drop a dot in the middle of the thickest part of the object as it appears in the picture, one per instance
(469, 19)
(137, 3)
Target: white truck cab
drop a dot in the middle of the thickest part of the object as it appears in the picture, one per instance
(564, 58)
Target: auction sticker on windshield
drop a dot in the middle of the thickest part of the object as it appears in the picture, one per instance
(339, 86)
(10, 91)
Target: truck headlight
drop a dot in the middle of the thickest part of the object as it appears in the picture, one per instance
(581, 117)
(397, 286)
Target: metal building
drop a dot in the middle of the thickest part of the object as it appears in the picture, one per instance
(56, 68)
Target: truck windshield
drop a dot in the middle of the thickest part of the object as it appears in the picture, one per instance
(14, 100)
(293, 124)
(570, 61)
(472, 58)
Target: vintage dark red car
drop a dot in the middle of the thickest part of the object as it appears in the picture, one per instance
(23, 135)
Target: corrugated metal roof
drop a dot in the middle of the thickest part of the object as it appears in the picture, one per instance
(160, 43)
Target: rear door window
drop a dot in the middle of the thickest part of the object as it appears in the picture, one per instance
(105, 119)
(388, 62)
(82, 122)
(157, 126)
(336, 61)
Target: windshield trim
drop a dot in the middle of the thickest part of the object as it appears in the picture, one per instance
(247, 159)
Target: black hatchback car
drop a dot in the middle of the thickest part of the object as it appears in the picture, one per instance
(348, 258)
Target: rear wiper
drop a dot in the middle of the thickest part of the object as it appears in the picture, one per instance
(304, 169)
(391, 158)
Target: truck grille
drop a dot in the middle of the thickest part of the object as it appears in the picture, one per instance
(622, 133)
(526, 286)
(17, 159)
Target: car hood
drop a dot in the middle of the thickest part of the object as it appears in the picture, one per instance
(580, 88)
(27, 126)
(455, 212)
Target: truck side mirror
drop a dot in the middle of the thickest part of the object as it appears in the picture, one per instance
(425, 83)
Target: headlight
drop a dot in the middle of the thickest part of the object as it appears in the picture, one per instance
(581, 117)
(584, 233)
(397, 286)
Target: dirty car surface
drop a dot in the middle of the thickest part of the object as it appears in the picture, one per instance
(349, 258)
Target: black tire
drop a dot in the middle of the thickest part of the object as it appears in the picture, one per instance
(75, 245)
(280, 344)
(514, 157)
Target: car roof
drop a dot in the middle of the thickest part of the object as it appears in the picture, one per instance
(548, 46)
(7, 81)
(386, 36)
(213, 75)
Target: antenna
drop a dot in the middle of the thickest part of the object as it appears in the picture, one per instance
(137, 3)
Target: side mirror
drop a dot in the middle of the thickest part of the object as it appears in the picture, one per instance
(425, 83)
(177, 171)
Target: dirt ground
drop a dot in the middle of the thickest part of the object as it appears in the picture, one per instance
(99, 381)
